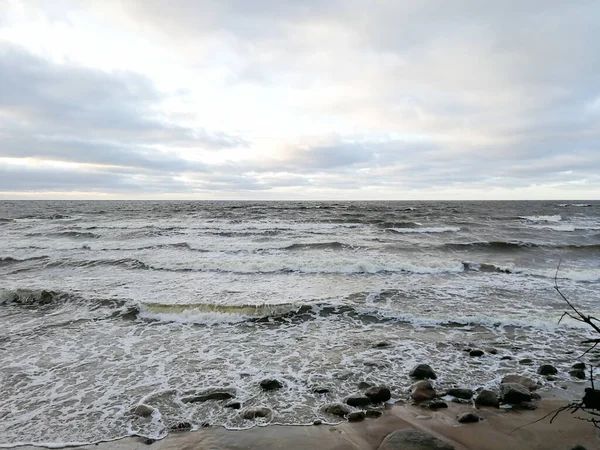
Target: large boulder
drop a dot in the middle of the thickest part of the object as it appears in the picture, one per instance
(524, 381)
(514, 393)
(422, 372)
(378, 394)
(411, 439)
(547, 369)
(487, 398)
(422, 390)
(460, 393)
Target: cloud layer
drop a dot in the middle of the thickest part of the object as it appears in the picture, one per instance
(287, 99)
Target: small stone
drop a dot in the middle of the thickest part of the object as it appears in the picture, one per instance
(321, 391)
(461, 401)
(547, 369)
(270, 384)
(149, 441)
(469, 417)
(577, 373)
(145, 411)
(578, 365)
(336, 409)
(422, 372)
(476, 352)
(364, 385)
(491, 351)
(382, 345)
(487, 398)
(255, 412)
(422, 390)
(378, 394)
(506, 358)
(460, 393)
(317, 422)
(356, 416)
(526, 361)
(233, 405)
(358, 401)
(182, 426)
(514, 393)
(434, 404)
(373, 413)
(209, 395)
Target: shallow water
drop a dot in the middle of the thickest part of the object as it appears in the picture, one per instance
(150, 302)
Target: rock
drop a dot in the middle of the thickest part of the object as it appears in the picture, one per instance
(505, 358)
(422, 390)
(142, 410)
(460, 393)
(378, 394)
(487, 398)
(213, 394)
(578, 365)
(411, 439)
(336, 409)
(422, 372)
(364, 385)
(491, 351)
(547, 369)
(514, 393)
(578, 447)
(358, 401)
(257, 411)
(317, 422)
(476, 352)
(373, 413)
(382, 345)
(233, 405)
(577, 373)
(434, 404)
(270, 384)
(526, 361)
(535, 396)
(469, 417)
(181, 426)
(149, 441)
(356, 416)
(321, 391)
(529, 406)
(524, 381)
(461, 401)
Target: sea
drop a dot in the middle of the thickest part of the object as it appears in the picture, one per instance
(106, 305)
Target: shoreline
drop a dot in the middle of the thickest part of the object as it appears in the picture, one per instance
(500, 429)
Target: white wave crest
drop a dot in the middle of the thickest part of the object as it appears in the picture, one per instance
(555, 218)
(425, 230)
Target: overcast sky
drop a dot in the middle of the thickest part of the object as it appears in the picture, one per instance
(300, 99)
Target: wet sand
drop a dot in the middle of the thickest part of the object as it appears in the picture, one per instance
(498, 431)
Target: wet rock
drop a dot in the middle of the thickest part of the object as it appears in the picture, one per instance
(181, 426)
(317, 422)
(358, 401)
(491, 351)
(422, 372)
(547, 369)
(469, 417)
(523, 381)
(526, 361)
(535, 396)
(364, 385)
(215, 394)
(506, 358)
(149, 441)
(460, 393)
(356, 416)
(577, 373)
(336, 409)
(378, 394)
(270, 384)
(142, 410)
(529, 406)
(320, 390)
(434, 404)
(461, 401)
(422, 390)
(256, 412)
(373, 413)
(487, 398)
(411, 439)
(382, 345)
(476, 352)
(233, 405)
(514, 393)
(578, 365)
(578, 447)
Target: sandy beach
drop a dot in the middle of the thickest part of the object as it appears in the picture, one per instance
(500, 429)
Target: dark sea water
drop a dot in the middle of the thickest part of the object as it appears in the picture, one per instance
(106, 305)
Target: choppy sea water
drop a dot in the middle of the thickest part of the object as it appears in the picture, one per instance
(106, 305)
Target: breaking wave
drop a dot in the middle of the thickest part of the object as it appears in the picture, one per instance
(424, 230)
(8, 260)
